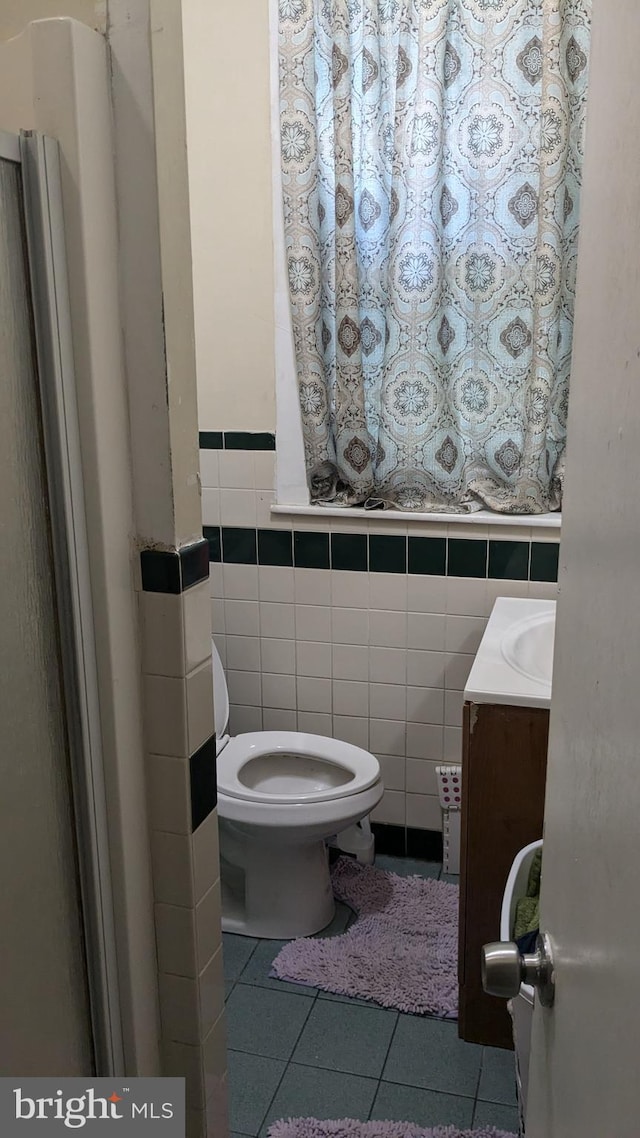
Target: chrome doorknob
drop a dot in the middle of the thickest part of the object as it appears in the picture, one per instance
(505, 968)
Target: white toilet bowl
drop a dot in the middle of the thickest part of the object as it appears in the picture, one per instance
(281, 795)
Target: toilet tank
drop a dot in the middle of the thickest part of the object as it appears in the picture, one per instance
(220, 694)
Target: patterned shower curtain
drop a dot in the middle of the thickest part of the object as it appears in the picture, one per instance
(432, 154)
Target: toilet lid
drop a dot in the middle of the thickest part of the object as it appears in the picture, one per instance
(290, 766)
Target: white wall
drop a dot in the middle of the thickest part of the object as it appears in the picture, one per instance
(228, 128)
(16, 14)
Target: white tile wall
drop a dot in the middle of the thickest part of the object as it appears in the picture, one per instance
(279, 691)
(277, 620)
(240, 583)
(348, 626)
(313, 587)
(199, 686)
(177, 684)
(379, 660)
(276, 583)
(351, 729)
(313, 658)
(351, 697)
(279, 719)
(314, 694)
(238, 508)
(242, 618)
(312, 622)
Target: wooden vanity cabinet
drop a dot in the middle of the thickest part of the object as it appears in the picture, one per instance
(504, 763)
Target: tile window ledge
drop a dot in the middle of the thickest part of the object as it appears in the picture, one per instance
(482, 517)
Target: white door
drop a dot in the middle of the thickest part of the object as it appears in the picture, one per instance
(585, 1050)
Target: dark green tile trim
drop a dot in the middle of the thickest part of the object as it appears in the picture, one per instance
(406, 841)
(239, 545)
(390, 839)
(425, 844)
(212, 534)
(377, 553)
(173, 571)
(387, 553)
(349, 551)
(428, 556)
(311, 549)
(545, 556)
(509, 560)
(467, 558)
(249, 440)
(194, 563)
(275, 547)
(204, 783)
(160, 571)
(210, 440)
(237, 440)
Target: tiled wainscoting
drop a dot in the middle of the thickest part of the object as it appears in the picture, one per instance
(361, 629)
(181, 781)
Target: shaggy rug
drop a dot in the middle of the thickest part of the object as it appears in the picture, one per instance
(401, 952)
(349, 1128)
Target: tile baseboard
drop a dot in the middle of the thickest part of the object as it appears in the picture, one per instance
(406, 841)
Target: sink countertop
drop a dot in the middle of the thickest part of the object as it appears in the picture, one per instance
(492, 679)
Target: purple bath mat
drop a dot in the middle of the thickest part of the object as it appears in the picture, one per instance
(401, 952)
(349, 1128)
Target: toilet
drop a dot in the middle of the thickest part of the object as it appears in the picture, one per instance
(281, 796)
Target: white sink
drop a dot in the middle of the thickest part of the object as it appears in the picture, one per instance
(514, 662)
(528, 647)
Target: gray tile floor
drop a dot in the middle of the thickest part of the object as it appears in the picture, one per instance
(295, 1051)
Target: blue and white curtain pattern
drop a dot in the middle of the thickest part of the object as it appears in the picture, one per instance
(431, 155)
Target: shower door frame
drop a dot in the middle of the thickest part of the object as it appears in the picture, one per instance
(38, 157)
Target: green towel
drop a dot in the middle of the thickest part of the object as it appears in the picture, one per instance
(528, 908)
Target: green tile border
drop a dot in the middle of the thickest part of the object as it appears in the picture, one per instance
(349, 551)
(175, 571)
(544, 561)
(386, 553)
(428, 556)
(509, 560)
(275, 547)
(239, 545)
(237, 440)
(406, 841)
(311, 549)
(466, 557)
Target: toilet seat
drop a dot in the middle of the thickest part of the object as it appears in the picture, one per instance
(297, 768)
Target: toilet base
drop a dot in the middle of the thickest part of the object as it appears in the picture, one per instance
(273, 890)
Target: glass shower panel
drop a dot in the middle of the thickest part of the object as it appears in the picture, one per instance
(44, 1011)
